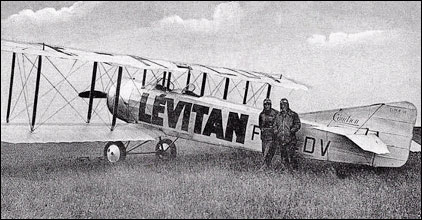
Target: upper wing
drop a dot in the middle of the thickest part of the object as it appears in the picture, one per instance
(76, 132)
(146, 63)
(52, 86)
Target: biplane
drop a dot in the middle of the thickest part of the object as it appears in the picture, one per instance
(60, 95)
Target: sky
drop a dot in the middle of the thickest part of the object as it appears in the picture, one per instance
(348, 53)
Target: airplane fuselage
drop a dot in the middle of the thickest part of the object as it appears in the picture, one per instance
(219, 122)
(204, 119)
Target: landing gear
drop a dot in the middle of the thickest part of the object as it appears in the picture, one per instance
(114, 151)
(165, 149)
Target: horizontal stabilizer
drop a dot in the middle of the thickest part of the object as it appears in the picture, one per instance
(69, 133)
(335, 130)
(373, 128)
(415, 147)
(367, 142)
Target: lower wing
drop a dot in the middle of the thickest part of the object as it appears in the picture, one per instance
(67, 133)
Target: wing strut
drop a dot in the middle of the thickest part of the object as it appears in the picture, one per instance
(204, 80)
(116, 99)
(91, 94)
(12, 74)
(226, 88)
(188, 79)
(144, 77)
(164, 79)
(269, 91)
(37, 89)
(168, 81)
(246, 92)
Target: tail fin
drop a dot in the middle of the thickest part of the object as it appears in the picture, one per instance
(392, 122)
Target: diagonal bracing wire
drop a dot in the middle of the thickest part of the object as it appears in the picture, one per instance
(23, 87)
(104, 89)
(217, 87)
(106, 72)
(235, 87)
(260, 90)
(65, 79)
(51, 89)
(137, 88)
(196, 79)
(63, 97)
(155, 80)
(55, 94)
(176, 80)
(54, 87)
(69, 103)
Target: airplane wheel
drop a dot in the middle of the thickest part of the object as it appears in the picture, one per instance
(165, 149)
(114, 151)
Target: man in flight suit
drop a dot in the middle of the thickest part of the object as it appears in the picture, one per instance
(266, 120)
(286, 124)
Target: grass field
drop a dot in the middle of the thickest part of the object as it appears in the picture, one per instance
(51, 181)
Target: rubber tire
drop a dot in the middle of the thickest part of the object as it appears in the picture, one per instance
(121, 147)
(169, 154)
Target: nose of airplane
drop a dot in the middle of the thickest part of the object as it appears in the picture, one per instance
(125, 93)
(126, 90)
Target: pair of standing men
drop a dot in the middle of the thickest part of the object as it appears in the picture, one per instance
(279, 129)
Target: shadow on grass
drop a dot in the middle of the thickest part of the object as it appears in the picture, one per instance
(235, 160)
(231, 160)
(41, 170)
